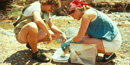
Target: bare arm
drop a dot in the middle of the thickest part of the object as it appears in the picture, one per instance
(56, 30)
(38, 20)
(53, 27)
(86, 18)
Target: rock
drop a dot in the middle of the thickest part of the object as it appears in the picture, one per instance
(69, 21)
(128, 20)
(127, 16)
(7, 32)
(117, 15)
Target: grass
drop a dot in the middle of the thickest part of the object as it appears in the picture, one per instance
(14, 14)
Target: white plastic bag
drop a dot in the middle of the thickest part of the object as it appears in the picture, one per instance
(83, 53)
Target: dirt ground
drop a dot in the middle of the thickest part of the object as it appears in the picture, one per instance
(14, 53)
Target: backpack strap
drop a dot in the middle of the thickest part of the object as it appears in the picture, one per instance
(21, 18)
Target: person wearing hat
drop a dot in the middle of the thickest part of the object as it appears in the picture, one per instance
(30, 28)
(96, 28)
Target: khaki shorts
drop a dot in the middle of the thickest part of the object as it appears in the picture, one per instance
(114, 45)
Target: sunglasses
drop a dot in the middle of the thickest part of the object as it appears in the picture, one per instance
(52, 8)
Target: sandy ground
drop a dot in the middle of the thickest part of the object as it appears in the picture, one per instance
(14, 53)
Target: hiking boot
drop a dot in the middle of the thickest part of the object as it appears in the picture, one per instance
(40, 57)
(28, 46)
(108, 58)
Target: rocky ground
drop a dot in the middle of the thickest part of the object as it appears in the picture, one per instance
(14, 53)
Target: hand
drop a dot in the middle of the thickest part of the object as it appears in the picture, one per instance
(63, 37)
(67, 44)
(49, 39)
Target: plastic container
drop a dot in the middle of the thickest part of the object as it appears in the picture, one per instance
(57, 56)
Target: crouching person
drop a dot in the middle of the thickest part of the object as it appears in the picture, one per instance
(30, 28)
(96, 28)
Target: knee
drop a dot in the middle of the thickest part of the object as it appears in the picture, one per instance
(32, 27)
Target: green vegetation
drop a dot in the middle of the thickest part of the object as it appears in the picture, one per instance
(14, 14)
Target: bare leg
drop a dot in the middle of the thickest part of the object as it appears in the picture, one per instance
(28, 34)
(98, 42)
(42, 36)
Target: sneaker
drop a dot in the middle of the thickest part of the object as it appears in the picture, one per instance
(40, 57)
(28, 46)
(108, 58)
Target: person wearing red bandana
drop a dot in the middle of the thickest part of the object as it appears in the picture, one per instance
(96, 28)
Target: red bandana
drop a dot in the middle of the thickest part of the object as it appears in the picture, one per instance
(76, 4)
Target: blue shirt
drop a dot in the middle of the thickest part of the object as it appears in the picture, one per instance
(102, 27)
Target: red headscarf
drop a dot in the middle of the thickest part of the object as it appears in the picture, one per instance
(76, 4)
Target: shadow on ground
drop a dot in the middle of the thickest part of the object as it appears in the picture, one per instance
(23, 57)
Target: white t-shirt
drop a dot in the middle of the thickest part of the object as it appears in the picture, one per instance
(36, 6)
